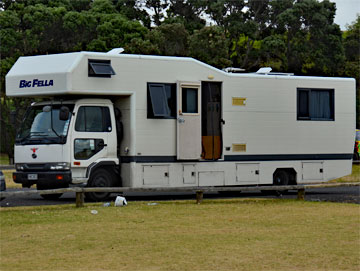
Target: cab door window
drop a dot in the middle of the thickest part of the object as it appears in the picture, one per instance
(84, 148)
(93, 119)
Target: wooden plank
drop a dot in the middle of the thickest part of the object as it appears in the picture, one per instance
(172, 189)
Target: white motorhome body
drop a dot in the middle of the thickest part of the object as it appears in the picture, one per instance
(185, 123)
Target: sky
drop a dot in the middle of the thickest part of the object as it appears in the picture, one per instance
(346, 11)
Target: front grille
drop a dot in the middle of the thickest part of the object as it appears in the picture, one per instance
(36, 167)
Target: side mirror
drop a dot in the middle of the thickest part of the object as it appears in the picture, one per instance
(64, 113)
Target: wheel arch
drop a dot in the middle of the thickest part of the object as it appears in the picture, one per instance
(110, 166)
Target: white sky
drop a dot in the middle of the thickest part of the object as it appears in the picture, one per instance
(346, 11)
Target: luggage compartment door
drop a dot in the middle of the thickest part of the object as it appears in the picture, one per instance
(189, 121)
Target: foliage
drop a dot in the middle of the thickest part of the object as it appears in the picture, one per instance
(210, 45)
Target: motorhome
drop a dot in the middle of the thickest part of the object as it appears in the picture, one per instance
(114, 119)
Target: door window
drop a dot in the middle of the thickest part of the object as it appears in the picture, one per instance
(189, 98)
(85, 148)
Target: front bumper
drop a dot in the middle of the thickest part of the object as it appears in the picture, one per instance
(45, 180)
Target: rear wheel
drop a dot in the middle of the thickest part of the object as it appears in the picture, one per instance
(281, 178)
(100, 178)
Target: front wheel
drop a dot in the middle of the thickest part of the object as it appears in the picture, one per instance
(100, 178)
(48, 196)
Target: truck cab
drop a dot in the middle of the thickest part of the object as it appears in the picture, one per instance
(63, 143)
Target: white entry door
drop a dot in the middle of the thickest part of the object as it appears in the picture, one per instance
(189, 121)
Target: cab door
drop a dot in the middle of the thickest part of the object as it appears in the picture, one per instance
(189, 121)
(90, 137)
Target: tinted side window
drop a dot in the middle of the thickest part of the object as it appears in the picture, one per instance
(93, 119)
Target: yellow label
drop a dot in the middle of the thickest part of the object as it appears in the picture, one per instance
(239, 147)
(238, 101)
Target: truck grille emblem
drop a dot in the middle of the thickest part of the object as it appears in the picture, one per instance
(34, 152)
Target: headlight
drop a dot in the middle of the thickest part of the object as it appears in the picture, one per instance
(60, 166)
(19, 167)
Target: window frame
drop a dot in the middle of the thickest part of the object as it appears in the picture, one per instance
(197, 102)
(171, 101)
(310, 116)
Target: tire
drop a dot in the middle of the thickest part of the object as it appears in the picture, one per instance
(100, 178)
(48, 196)
(281, 178)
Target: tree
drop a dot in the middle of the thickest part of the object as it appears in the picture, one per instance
(171, 39)
(158, 8)
(132, 9)
(210, 46)
(314, 44)
(187, 13)
(352, 64)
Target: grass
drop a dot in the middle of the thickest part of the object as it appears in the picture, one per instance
(354, 177)
(4, 159)
(216, 235)
(9, 180)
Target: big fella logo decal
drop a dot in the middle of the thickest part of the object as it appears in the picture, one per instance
(36, 83)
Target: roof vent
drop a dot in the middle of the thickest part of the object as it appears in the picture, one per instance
(233, 70)
(265, 70)
(100, 68)
(116, 51)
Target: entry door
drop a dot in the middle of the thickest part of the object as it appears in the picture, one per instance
(189, 121)
(211, 115)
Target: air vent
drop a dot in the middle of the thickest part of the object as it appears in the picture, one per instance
(239, 147)
(238, 101)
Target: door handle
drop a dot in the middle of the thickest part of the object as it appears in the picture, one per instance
(181, 120)
(102, 145)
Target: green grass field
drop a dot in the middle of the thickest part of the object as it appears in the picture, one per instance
(4, 159)
(216, 235)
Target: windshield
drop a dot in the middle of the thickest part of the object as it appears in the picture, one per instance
(357, 135)
(42, 124)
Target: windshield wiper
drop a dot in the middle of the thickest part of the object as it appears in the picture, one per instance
(38, 133)
(28, 136)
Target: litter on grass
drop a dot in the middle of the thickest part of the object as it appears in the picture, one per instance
(120, 201)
